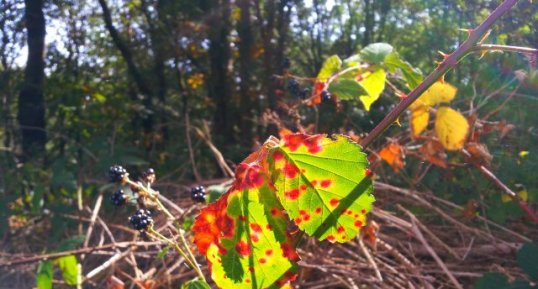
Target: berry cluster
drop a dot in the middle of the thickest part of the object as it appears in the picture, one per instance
(198, 194)
(118, 198)
(141, 219)
(295, 89)
(116, 173)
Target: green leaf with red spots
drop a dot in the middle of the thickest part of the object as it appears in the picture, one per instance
(244, 237)
(323, 184)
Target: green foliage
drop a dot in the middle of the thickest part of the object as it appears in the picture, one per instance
(346, 89)
(44, 275)
(375, 53)
(69, 267)
(330, 66)
(527, 258)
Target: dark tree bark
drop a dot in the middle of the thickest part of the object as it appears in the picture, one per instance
(219, 80)
(246, 104)
(31, 112)
(368, 22)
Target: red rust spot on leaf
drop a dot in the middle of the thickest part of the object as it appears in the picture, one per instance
(302, 212)
(318, 210)
(262, 260)
(278, 155)
(255, 227)
(306, 217)
(326, 183)
(275, 212)
(289, 252)
(314, 183)
(363, 211)
(269, 227)
(298, 220)
(303, 187)
(292, 194)
(294, 141)
(334, 202)
(254, 238)
(349, 212)
(368, 173)
(290, 170)
(247, 280)
(251, 269)
(243, 248)
(340, 230)
(330, 238)
(268, 252)
(242, 218)
(358, 224)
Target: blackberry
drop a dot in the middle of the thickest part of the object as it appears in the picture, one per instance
(118, 198)
(149, 175)
(198, 194)
(116, 173)
(293, 87)
(141, 219)
(325, 96)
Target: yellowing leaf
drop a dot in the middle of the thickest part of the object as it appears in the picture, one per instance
(419, 119)
(451, 128)
(374, 84)
(438, 93)
(330, 66)
(393, 155)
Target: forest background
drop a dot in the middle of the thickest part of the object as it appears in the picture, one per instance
(190, 88)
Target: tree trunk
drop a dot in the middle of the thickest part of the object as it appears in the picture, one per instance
(245, 61)
(31, 113)
(219, 81)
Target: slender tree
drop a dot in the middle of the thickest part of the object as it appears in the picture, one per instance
(31, 112)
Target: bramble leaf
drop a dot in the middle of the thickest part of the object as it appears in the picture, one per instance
(44, 275)
(420, 116)
(451, 128)
(330, 66)
(393, 155)
(413, 76)
(346, 89)
(322, 184)
(69, 267)
(376, 52)
(243, 234)
(374, 84)
(439, 92)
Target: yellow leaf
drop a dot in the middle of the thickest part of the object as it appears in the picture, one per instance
(438, 93)
(523, 154)
(523, 195)
(420, 116)
(505, 198)
(451, 128)
(374, 84)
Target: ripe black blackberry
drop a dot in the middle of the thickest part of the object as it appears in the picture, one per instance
(198, 194)
(118, 198)
(141, 219)
(149, 175)
(293, 87)
(325, 96)
(116, 173)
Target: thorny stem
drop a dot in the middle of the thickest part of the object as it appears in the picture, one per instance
(496, 47)
(153, 196)
(475, 36)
